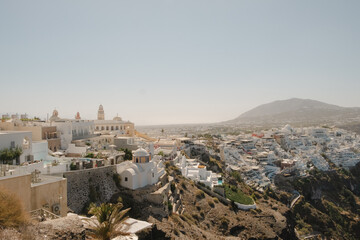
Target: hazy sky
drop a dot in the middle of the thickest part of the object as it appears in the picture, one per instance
(168, 61)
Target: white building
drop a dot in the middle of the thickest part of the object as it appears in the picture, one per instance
(142, 171)
(74, 130)
(191, 169)
(23, 140)
(40, 150)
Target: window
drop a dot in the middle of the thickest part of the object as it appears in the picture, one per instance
(12, 144)
(153, 174)
(126, 179)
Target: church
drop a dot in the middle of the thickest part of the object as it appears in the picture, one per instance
(116, 126)
(141, 171)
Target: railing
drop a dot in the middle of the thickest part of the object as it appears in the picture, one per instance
(42, 215)
(8, 170)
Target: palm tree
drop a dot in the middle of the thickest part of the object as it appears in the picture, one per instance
(108, 216)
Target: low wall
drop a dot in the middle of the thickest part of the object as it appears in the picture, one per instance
(159, 196)
(245, 207)
(90, 185)
(213, 194)
(60, 168)
(32, 167)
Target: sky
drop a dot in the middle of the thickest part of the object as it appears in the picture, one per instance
(170, 62)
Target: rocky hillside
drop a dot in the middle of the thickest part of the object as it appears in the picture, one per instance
(205, 217)
(297, 110)
(329, 203)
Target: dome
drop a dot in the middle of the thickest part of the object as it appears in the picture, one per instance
(117, 118)
(55, 116)
(141, 153)
(55, 113)
(101, 107)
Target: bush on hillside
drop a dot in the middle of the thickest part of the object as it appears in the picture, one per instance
(12, 213)
(199, 194)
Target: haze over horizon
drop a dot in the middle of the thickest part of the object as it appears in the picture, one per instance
(171, 62)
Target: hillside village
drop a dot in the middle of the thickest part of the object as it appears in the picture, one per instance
(59, 167)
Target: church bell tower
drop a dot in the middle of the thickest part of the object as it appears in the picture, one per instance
(101, 114)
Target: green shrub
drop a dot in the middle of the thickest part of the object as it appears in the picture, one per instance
(199, 194)
(224, 223)
(90, 155)
(237, 176)
(195, 216)
(72, 166)
(170, 207)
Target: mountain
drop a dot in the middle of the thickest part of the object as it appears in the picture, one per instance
(297, 110)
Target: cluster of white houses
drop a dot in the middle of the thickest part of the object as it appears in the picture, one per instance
(61, 134)
(192, 169)
(59, 145)
(260, 157)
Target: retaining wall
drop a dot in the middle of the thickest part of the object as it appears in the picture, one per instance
(90, 185)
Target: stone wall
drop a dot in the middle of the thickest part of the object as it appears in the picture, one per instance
(213, 194)
(90, 185)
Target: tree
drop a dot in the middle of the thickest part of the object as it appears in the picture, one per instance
(108, 217)
(8, 154)
(128, 154)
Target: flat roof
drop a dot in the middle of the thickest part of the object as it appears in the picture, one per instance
(12, 132)
(46, 179)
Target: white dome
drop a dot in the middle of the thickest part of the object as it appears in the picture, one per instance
(141, 153)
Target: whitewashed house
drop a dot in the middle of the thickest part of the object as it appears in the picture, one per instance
(191, 169)
(141, 171)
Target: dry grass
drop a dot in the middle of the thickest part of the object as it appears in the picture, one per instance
(12, 213)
